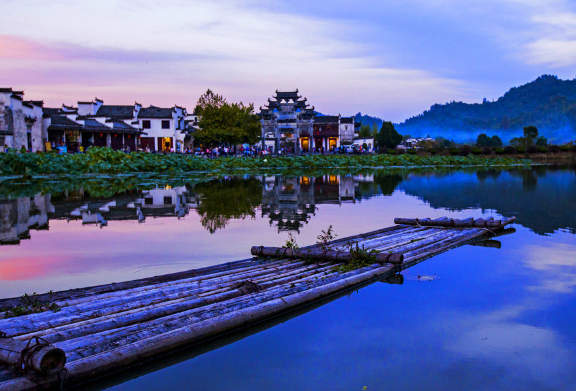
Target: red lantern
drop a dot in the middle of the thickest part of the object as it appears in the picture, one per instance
(100, 134)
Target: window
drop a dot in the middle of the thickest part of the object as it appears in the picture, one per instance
(165, 124)
(146, 124)
(167, 200)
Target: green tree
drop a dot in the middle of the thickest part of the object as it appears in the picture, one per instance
(541, 141)
(530, 135)
(226, 123)
(495, 141)
(374, 130)
(483, 140)
(365, 131)
(388, 136)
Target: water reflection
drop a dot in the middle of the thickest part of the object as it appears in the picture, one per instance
(290, 202)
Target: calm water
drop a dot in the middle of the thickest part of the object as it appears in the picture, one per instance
(473, 318)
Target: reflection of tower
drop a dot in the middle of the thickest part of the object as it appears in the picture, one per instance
(334, 189)
(289, 202)
(19, 216)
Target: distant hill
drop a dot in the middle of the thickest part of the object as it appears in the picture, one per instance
(548, 103)
(363, 118)
(368, 120)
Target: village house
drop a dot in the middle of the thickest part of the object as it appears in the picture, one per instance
(127, 127)
(20, 121)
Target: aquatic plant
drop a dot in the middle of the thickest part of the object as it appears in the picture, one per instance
(108, 161)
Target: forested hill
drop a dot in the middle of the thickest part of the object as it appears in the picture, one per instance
(548, 103)
(368, 120)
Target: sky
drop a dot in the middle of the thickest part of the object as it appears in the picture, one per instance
(392, 59)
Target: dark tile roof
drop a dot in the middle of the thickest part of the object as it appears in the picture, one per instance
(9, 90)
(62, 122)
(39, 103)
(119, 125)
(118, 112)
(16, 96)
(322, 119)
(347, 120)
(92, 124)
(155, 112)
(49, 111)
(287, 94)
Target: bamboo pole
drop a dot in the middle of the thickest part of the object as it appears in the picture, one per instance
(325, 255)
(140, 315)
(40, 357)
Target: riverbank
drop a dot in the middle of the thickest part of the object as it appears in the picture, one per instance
(107, 161)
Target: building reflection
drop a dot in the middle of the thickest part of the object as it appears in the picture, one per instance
(19, 216)
(290, 203)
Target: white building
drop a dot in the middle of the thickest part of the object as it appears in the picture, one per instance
(20, 121)
(164, 128)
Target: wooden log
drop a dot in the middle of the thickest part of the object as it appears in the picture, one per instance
(97, 365)
(141, 315)
(113, 287)
(324, 255)
(40, 357)
(469, 222)
(119, 302)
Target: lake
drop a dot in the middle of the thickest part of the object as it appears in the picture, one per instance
(474, 318)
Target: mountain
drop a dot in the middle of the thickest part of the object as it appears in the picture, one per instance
(548, 103)
(363, 118)
(368, 120)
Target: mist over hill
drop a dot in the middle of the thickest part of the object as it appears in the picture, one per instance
(548, 103)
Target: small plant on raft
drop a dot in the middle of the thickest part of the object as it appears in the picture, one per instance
(291, 242)
(360, 257)
(31, 305)
(325, 238)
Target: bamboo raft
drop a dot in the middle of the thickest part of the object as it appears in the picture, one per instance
(107, 328)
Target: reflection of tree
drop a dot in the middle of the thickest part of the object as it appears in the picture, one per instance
(388, 182)
(490, 173)
(542, 198)
(225, 199)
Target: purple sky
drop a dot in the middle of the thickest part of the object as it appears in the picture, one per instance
(391, 58)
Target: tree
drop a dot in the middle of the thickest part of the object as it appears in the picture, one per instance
(483, 140)
(226, 123)
(495, 141)
(541, 141)
(388, 136)
(374, 130)
(530, 135)
(209, 99)
(365, 131)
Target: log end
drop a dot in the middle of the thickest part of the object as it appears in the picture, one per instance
(48, 360)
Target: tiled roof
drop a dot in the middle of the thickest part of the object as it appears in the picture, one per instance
(287, 94)
(6, 90)
(322, 119)
(92, 124)
(113, 111)
(62, 122)
(347, 120)
(155, 112)
(119, 125)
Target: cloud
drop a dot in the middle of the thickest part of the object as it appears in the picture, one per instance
(393, 59)
(17, 48)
